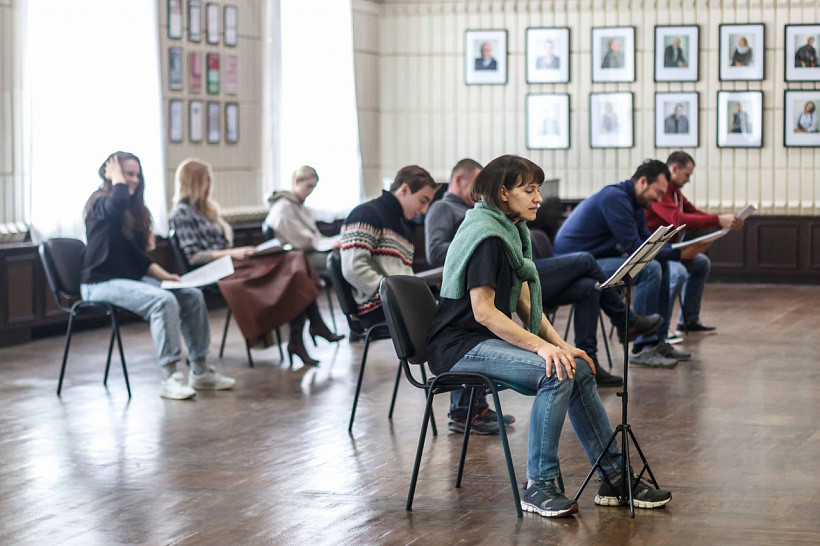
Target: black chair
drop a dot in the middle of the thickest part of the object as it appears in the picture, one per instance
(185, 267)
(409, 306)
(378, 331)
(63, 261)
(268, 234)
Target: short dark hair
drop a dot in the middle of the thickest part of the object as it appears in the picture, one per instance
(415, 177)
(651, 169)
(509, 171)
(679, 158)
(465, 164)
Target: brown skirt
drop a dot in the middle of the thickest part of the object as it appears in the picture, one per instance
(268, 291)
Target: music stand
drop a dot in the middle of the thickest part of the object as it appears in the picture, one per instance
(624, 276)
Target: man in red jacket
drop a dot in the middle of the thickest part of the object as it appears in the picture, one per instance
(675, 209)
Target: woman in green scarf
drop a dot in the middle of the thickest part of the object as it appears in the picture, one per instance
(488, 275)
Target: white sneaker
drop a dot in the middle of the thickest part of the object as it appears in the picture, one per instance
(674, 338)
(175, 388)
(210, 381)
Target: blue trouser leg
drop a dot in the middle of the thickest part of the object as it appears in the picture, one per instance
(646, 290)
(698, 269)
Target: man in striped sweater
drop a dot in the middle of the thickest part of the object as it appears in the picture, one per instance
(377, 239)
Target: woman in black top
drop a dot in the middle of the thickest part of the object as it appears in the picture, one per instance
(118, 270)
(488, 263)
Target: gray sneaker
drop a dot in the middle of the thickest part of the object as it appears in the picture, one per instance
(668, 351)
(651, 358)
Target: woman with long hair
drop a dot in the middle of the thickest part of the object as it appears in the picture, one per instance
(264, 292)
(117, 269)
(488, 275)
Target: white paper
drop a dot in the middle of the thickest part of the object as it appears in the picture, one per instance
(203, 276)
(271, 246)
(326, 244)
(642, 255)
(744, 213)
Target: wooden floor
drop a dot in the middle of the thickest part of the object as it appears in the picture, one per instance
(734, 434)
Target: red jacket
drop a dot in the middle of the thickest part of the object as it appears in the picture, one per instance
(675, 209)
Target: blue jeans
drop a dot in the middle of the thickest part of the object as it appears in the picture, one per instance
(649, 298)
(553, 400)
(689, 276)
(172, 314)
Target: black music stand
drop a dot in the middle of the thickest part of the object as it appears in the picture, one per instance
(624, 277)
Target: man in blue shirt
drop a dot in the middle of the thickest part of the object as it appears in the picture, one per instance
(610, 225)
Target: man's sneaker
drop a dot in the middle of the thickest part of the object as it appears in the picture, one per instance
(210, 381)
(696, 328)
(670, 352)
(605, 379)
(547, 500)
(650, 357)
(482, 424)
(673, 338)
(643, 494)
(175, 387)
(642, 326)
(508, 419)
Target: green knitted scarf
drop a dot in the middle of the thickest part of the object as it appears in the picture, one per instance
(480, 223)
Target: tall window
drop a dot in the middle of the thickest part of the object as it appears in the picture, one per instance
(91, 87)
(318, 123)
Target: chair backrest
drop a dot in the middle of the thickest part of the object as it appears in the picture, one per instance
(267, 232)
(63, 263)
(541, 244)
(409, 307)
(182, 262)
(344, 292)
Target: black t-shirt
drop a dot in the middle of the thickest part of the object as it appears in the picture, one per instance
(454, 330)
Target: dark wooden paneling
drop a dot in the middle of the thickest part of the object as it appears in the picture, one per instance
(814, 259)
(19, 289)
(777, 245)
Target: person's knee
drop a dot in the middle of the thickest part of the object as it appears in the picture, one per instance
(585, 262)
(652, 273)
(166, 303)
(701, 264)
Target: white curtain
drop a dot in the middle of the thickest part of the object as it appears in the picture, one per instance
(91, 87)
(318, 123)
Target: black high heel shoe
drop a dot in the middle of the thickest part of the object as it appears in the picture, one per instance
(301, 352)
(325, 333)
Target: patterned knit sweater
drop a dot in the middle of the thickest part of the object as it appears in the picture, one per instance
(376, 242)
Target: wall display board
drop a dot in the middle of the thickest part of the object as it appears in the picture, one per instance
(676, 53)
(613, 54)
(740, 119)
(610, 120)
(485, 57)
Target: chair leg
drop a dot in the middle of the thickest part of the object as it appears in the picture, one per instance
(361, 375)
(248, 351)
(116, 326)
(225, 332)
(466, 439)
(108, 359)
(426, 392)
(569, 321)
(65, 352)
(279, 343)
(506, 444)
(330, 308)
(395, 391)
(606, 343)
(428, 410)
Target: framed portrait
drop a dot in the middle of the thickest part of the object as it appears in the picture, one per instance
(548, 121)
(231, 122)
(613, 54)
(195, 121)
(212, 23)
(802, 60)
(742, 52)
(548, 55)
(175, 120)
(212, 74)
(485, 57)
(174, 68)
(676, 53)
(231, 74)
(229, 21)
(213, 122)
(194, 20)
(800, 118)
(175, 19)
(194, 71)
(740, 119)
(610, 120)
(676, 120)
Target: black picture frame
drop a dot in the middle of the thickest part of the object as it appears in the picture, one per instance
(535, 71)
(231, 122)
(625, 112)
(610, 74)
(496, 72)
(230, 25)
(662, 138)
(804, 139)
(195, 21)
(725, 135)
(175, 120)
(560, 123)
(175, 69)
(664, 73)
(196, 121)
(175, 19)
(211, 23)
(213, 114)
(793, 73)
(726, 70)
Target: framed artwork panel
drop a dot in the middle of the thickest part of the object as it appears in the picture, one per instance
(676, 53)
(212, 23)
(801, 125)
(175, 68)
(548, 121)
(742, 52)
(175, 19)
(213, 122)
(676, 120)
(229, 21)
(196, 121)
(740, 119)
(231, 122)
(175, 120)
(613, 54)
(610, 120)
(802, 60)
(548, 55)
(485, 57)
(194, 20)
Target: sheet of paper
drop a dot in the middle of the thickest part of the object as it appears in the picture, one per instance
(271, 246)
(327, 243)
(744, 213)
(642, 256)
(747, 211)
(203, 276)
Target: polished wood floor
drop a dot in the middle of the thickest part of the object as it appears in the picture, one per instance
(734, 434)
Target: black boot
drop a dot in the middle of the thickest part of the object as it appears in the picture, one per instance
(318, 326)
(296, 345)
(605, 379)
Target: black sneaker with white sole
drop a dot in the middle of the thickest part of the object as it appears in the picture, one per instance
(546, 500)
(643, 495)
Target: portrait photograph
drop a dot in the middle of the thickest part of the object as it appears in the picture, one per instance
(485, 57)
(676, 120)
(741, 52)
(676, 53)
(229, 21)
(175, 120)
(174, 68)
(802, 60)
(800, 119)
(212, 23)
(213, 122)
(548, 121)
(740, 119)
(548, 55)
(613, 54)
(231, 122)
(610, 120)
(175, 19)
(194, 21)
(195, 121)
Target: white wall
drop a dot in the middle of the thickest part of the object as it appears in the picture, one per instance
(427, 115)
